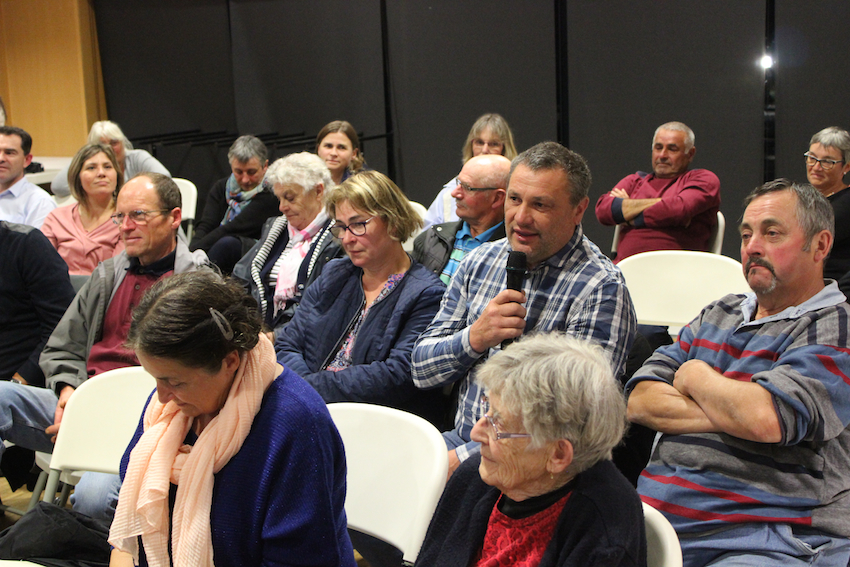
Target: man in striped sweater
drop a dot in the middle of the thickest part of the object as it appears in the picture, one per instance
(753, 402)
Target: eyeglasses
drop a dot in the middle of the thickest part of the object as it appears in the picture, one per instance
(488, 143)
(493, 430)
(138, 217)
(465, 186)
(355, 228)
(826, 164)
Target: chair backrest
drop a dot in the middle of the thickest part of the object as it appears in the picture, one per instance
(715, 242)
(614, 243)
(419, 208)
(662, 543)
(100, 419)
(62, 201)
(189, 198)
(670, 287)
(397, 467)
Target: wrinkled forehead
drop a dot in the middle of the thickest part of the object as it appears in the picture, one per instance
(666, 137)
(777, 207)
(138, 195)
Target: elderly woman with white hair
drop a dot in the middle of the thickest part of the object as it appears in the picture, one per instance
(132, 161)
(294, 247)
(543, 490)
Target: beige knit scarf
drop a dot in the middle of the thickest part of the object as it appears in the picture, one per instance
(160, 458)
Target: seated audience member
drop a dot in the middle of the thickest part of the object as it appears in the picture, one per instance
(89, 338)
(490, 134)
(753, 402)
(264, 482)
(83, 232)
(353, 331)
(571, 287)
(132, 162)
(295, 247)
(672, 208)
(480, 200)
(21, 202)
(236, 206)
(34, 292)
(338, 144)
(827, 162)
(543, 491)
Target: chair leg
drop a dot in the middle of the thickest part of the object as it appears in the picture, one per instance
(63, 496)
(52, 485)
(39, 488)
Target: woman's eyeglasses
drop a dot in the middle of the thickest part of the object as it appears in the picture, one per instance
(493, 423)
(826, 164)
(355, 228)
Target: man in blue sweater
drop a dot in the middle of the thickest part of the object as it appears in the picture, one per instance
(753, 402)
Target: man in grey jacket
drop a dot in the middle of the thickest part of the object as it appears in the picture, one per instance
(90, 336)
(480, 198)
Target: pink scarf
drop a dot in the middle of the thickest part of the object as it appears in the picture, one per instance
(290, 262)
(160, 458)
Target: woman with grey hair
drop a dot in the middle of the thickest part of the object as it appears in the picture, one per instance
(827, 162)
(132, 161)
(543, 490)
(293, 248)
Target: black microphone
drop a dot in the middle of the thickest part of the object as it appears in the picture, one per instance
(516, 269)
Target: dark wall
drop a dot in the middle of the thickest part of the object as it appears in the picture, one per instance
(667, 61)
(813, 82)
(454, 61)
(289, 67)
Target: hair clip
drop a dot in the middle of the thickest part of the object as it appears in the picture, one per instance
(222, 323)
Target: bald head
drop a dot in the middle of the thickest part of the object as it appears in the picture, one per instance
(488, 171)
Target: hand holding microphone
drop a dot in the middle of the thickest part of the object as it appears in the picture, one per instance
(504, 317)
(516, 268)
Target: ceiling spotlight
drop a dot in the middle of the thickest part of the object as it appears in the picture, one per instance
(767, 62)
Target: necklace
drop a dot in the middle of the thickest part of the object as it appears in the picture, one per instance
(834, 192)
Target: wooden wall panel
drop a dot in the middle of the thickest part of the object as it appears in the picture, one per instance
(54, 86)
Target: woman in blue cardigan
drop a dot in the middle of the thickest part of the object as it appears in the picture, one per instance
(352, 336)
(236, 460)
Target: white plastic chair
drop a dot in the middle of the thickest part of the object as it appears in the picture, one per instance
(715, 243)
(715, 240)
(670, 287)
(99, 421)
(662, 543)
(419, 208)
(397, 467)
(189, 196)
(62, 201)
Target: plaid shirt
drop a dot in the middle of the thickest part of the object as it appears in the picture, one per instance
(577, 290)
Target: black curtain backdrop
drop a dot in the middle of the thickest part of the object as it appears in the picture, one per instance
(617, 69)
(813, 82)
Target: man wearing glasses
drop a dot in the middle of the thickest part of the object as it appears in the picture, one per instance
(672, 208)
(480, 198)
(90, 336)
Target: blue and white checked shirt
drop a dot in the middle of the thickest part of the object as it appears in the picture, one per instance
(577, 290)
